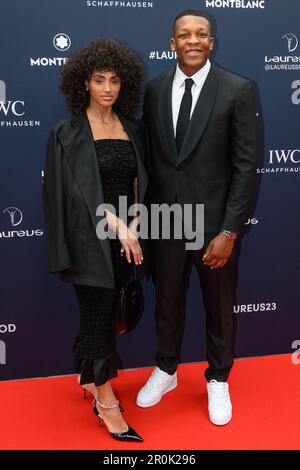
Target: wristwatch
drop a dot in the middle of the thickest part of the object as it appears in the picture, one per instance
(230, 235)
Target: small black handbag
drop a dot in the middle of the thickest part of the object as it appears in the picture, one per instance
(130, 304)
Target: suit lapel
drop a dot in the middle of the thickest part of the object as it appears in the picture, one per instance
(165, 124)
(201, 114)
(81, 154)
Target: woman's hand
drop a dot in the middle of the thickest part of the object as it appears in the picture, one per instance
(130, 244)
(128, 239)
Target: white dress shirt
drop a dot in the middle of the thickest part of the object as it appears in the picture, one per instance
(178, 89)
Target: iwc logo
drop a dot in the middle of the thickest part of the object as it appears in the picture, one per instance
(13, 108)
(282, 161)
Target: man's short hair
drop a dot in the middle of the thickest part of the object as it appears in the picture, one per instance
(200, 13)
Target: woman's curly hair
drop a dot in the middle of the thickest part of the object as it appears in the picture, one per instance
(103, 55)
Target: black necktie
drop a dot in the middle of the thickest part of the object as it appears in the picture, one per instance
(184, 113)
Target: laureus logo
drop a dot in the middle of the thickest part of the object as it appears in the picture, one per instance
(15, 217)
(15, 214)
(292, 41)
(290, 61)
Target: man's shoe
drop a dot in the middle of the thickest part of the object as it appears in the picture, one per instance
(219, 404)
(158, 384)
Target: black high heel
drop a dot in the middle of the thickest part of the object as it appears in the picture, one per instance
(89, 388)
(129, 435)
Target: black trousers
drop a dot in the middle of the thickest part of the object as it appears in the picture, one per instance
(172, 270)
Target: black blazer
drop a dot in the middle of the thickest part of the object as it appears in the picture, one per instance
(72, 191)
(216, 165)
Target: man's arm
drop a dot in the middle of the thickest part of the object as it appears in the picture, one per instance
(244, 161)
(243, 151)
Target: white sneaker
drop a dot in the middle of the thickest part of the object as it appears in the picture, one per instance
(158, 384)
(219, 404)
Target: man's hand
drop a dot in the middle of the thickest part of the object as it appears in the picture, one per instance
(218, 251)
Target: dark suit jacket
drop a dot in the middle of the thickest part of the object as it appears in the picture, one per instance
(217, 162)
(72, 191)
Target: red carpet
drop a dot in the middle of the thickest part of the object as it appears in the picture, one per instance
(52, 414)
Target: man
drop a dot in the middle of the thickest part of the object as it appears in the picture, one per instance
(202, 128)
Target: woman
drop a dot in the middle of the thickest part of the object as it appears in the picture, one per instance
(94, 157)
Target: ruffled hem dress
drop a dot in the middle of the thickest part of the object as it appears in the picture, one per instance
(96, 357)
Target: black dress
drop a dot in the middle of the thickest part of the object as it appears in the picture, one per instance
(95, 350)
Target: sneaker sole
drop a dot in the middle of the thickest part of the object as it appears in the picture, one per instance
(221, 423)
(152, 403)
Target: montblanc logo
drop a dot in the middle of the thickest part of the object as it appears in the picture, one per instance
(61, 42)
(285, 62)
(14, 217)
(282, 161)
(14, 108)
(235, 4)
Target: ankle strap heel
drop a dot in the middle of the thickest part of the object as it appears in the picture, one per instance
(129, 435)
(107, 407)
